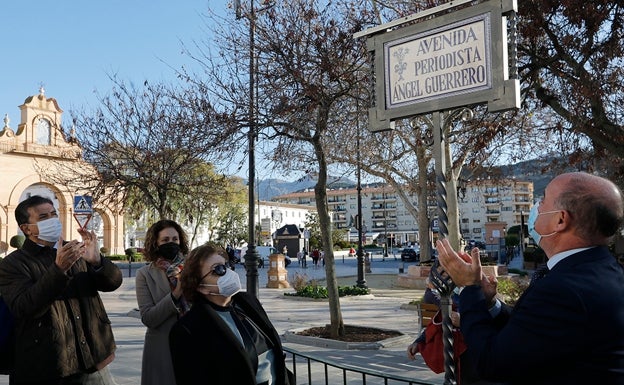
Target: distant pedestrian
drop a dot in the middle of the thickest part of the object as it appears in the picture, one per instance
(315, 257)
(300, 257)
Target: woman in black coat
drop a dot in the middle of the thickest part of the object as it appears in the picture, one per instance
(226, 338)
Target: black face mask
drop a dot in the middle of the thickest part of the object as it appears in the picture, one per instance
(169, 250)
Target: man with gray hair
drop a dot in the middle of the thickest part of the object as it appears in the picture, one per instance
(568, 326)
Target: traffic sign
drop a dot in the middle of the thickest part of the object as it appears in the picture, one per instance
(83, 210)
(83, 219)
(82, 204)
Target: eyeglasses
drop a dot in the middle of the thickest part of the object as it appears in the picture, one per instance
(217, 270)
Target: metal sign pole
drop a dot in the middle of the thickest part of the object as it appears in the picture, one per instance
(444, 286)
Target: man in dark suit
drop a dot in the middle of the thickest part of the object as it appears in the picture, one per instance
(568, 326)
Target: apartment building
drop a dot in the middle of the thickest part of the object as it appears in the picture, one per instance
(487, 208)
(384, 215)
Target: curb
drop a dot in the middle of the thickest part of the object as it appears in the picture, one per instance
(291, 336)
(318, 342)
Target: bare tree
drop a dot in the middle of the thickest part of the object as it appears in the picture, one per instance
(151, 146)
(571, 56)
(309, 71)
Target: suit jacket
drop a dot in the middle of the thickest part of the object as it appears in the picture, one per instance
(206, 351)
(567, 328)
(158, 313)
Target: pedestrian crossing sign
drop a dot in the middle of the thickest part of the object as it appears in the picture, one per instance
(83, 210)
(82, 204)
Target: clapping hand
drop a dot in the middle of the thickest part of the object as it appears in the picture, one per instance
(91, 250)
(67, 254)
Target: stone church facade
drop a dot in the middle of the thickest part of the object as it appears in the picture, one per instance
(38, 143)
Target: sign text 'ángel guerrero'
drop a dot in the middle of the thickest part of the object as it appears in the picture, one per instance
(446, 61)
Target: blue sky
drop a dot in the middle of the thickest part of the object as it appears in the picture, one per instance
(71, 46)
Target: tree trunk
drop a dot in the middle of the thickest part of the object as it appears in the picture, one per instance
(320, 193)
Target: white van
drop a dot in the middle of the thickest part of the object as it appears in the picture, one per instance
(263, 254)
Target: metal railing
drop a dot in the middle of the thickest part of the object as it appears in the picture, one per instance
(318, 370)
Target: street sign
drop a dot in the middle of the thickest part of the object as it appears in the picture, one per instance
(82, 204)
(83, 210)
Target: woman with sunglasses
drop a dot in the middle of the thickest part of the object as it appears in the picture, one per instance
(226, 338)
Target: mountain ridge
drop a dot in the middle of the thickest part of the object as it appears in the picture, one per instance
(530, 170)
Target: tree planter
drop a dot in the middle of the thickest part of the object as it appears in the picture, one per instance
(495, 270)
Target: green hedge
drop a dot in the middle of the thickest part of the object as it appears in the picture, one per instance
(137, 257)
(318, 292)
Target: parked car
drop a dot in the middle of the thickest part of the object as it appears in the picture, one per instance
(263, 253)
(410, 254)
(471, 244)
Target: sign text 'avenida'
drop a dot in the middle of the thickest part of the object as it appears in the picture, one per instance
(451, 60)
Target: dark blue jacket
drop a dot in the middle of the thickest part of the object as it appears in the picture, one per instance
(567, 328)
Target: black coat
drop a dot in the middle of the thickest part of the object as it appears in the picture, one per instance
(61, 326)
(205, 350)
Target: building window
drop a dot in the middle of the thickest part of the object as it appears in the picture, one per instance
(43, 132)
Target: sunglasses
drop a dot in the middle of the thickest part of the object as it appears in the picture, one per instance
(217, 270)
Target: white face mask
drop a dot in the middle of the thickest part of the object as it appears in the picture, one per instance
(50, 229)
(533, 215)
(228, 284)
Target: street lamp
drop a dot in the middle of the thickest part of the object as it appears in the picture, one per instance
(361, 280)
(251, 256)
(385, 223)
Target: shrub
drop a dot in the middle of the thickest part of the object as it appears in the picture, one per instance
(299, 281)
(104, 250)
(352, 290)
(17, 241)
(342, 245)
(534, 254)
(511, 289)
(313, 290)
